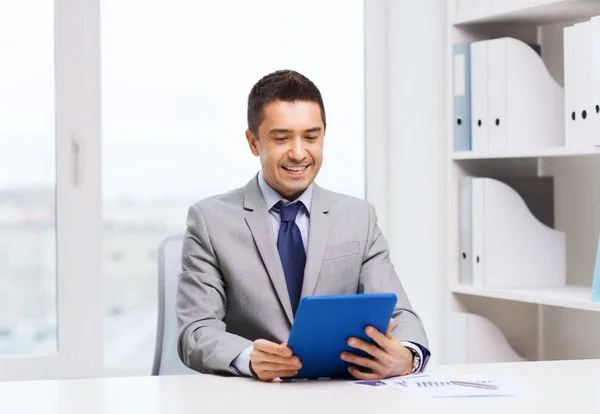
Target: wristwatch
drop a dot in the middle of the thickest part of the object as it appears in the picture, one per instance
(416, 360)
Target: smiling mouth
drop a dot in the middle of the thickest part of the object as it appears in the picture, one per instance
(296, 169)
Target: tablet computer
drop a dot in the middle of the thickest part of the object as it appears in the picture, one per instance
(323, 324)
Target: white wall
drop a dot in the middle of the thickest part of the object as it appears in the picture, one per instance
(416, 156)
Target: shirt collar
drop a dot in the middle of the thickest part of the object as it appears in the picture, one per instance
(272, 197)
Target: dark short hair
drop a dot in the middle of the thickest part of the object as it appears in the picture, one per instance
(282, 85)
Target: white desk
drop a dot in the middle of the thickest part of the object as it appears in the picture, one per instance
(554, 387)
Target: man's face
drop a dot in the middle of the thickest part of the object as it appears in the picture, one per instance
(290, 145)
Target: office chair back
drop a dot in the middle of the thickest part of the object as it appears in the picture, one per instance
(166, 358)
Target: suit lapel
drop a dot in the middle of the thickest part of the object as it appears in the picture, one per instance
(259, 222)
(317, 239)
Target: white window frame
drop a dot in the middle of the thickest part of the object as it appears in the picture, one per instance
(78, 203)
(376, 108)
(80, 306)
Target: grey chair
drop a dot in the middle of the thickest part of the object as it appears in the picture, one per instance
(166, 358)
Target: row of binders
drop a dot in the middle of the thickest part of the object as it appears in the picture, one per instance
(506, 99)
(507, 237)
(582, 83)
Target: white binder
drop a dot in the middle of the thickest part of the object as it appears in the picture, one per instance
(583, 134)
(478, 256)
(595, 89)
(515, 102)
(581, 79)
(464, 220)
(477, 340)
(571, 86)
(534, 100)
(479, 97)
(498, 85)
(513, 248)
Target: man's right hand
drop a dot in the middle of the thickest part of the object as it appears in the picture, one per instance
(269, 360)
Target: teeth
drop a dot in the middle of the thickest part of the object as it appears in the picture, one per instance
(295, 168)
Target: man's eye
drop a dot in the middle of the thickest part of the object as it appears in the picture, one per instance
(310, 137)
(280, 139)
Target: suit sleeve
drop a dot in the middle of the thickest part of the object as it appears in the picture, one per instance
(203, 343)
(378, 275)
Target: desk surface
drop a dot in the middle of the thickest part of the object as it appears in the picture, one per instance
(562, 386)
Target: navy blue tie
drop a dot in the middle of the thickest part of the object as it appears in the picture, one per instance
(291, 251)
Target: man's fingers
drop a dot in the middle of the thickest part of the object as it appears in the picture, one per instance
(270, 360)
(390, 327)
(272, 348)
(362, 361)
(379, 338)
(279, 373)
(356, 373)
(283, 374)
(259, 356)
(370, 349)
(270, 365)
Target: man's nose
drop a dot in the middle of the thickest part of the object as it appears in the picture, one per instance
(297, 151)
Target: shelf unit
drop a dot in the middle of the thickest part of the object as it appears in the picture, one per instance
(571, 297)
(576, 172)
(538, 12)
(556, 152)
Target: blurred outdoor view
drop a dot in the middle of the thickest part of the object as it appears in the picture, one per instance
(27, 171)
(175, 78)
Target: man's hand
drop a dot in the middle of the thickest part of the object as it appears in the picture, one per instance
(269, 360)
(390, 357)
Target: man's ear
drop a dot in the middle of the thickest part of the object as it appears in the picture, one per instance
(252, 142)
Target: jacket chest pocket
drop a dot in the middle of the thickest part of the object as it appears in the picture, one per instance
(340, 269)
(341, 250)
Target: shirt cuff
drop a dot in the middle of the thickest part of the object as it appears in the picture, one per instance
(241, 363)
(417, 349)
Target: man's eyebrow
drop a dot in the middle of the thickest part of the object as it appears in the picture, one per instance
(279, 131)
(314, 129)
(287, 131)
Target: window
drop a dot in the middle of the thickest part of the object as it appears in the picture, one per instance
(50, 324)
(28, 294)
(174, 90)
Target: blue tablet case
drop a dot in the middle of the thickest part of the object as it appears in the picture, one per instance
(324, 323)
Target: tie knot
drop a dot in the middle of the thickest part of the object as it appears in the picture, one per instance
(288, 213)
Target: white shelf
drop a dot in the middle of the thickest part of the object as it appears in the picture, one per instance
(574, 297)
(537, 153)
(536, 12)
(576, 192)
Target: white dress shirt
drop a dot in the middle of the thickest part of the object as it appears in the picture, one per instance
(271, 197)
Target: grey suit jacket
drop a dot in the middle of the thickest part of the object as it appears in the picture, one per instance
(232, 288)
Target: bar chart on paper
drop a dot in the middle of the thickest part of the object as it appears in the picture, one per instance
(433, 386)
(437, 384)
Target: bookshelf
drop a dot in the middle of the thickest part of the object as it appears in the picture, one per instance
(533, 12)
(532, 320)
(571, 297)
(556, 152)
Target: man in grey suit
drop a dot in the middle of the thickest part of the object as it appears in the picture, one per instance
(251, 254)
